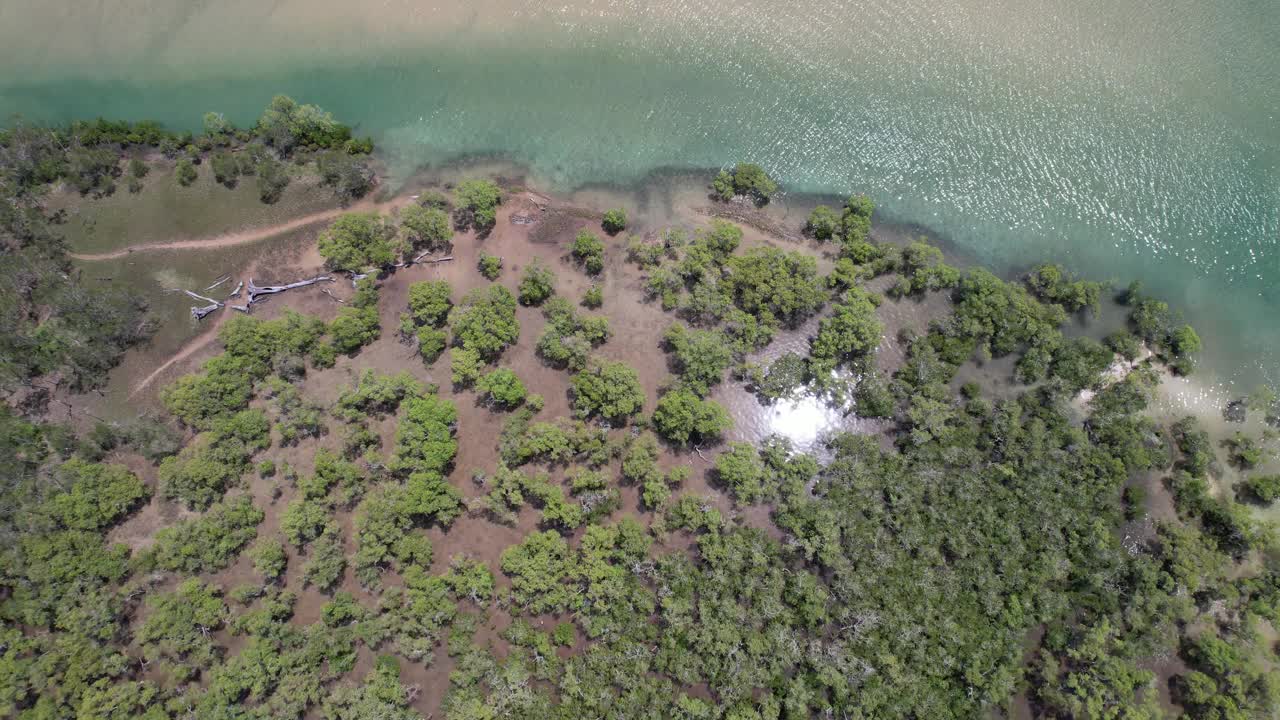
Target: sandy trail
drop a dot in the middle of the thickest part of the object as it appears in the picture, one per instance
(243, 237)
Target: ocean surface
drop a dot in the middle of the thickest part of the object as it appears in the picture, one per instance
(1125, 138)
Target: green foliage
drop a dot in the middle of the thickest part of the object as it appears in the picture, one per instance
(351, 178)
(745, 179)
(588, 250)
(823, 223)
(1245, 452)
(379, 695)
(485, 321)
(357, 324)
(607, 389)
(96, 497)
(593, 297)
(923, 270)
(429, 302)
(286, 125)
(856, 223)
(269, 558)
(490, 266)
(177, 631)
(538, 284)
(1053, 284)
(699, 357)
(1263, 488)
(477, 204)
(1001, 316)
(502, 387)
(424, 439)
(425, 229)
(272, 179)
(1125, 344)
(226, 169)
(615, 221)
(465, 367)
(682, 417)
(778, 288)
(209, 542)
(1155, 323)
(851, 333)
(185, 172)
(376, 394)
(469, 579)
(1097, 679)
(359, 241)
(200, 474)
(568, 338)
(540, 568)
(326, 560)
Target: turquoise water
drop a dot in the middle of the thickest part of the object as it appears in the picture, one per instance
(1125, 139)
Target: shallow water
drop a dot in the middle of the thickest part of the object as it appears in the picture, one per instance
(1127, 139)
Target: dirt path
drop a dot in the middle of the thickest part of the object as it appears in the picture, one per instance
(243, 236)
(190, 348)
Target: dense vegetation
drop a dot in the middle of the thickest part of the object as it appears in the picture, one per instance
(55, 325)
(995, 546)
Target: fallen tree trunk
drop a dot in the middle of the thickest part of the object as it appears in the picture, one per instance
(199, 313)
(257, 291)
(236, 293)
(196, 296)
(218, 282)
(419, 259)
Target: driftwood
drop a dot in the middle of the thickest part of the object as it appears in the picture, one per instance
(241, 308)
(357, 277)
(335, 298)
(419, 259)
(257, 291)
(218, 282)
(195, 296)
(199, 312)
(236, 293)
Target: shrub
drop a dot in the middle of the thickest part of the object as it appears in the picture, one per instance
(185, 172)
(429, 302)
(272, 180)
(615, 221)
(588, 250)
(484, 322)
(1264, 488)
(477, 204)
(745, 179)
(226, 170)
(356, 242)
(425, 228)
(349, 177)
(608, 389)
(681, 417)
(209, 542)
(490, 266)
(538, 284)
(823, 223)
(503, 388)
(269, 558)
